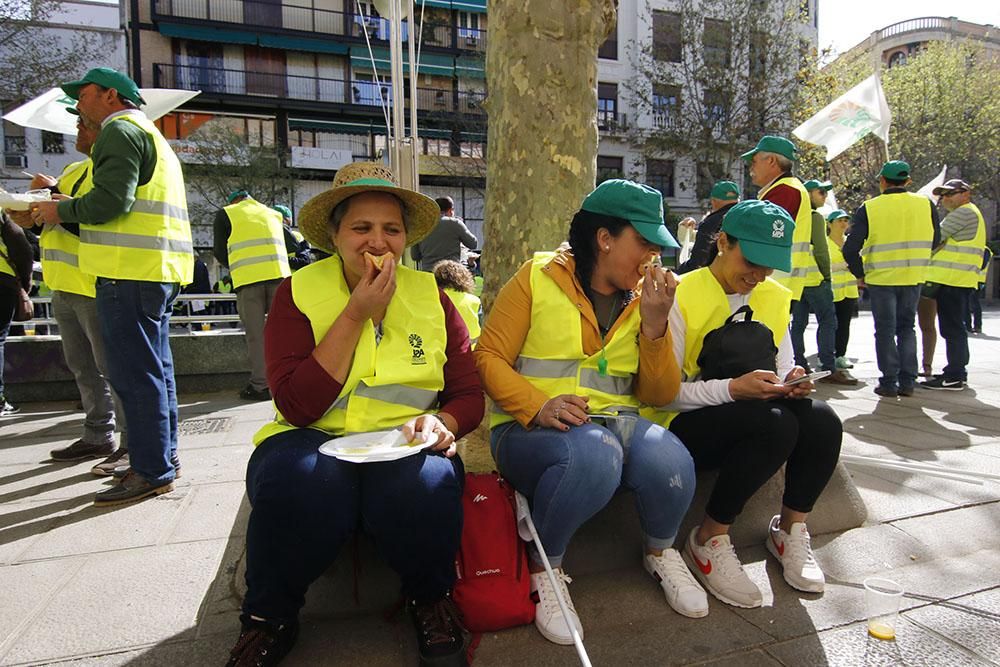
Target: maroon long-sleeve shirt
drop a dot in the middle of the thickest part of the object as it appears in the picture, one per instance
(303, 391)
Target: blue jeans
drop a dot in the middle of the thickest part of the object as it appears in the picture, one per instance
(306, 505)
(818, 299)
(952, 311)
(135, 323)
(569, 476)
(894, 309)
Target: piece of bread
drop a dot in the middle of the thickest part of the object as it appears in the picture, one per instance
(380, 260)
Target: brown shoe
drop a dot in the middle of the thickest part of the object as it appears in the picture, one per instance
(840, 377)
(132, 488)
(80, 451)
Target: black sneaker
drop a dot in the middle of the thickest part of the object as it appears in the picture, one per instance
(107, 467)
(888, 392)
(6, 408)
(906, 391)
(123, 467)
(440, 635)
(251, 394)
(131, 489)
(940, 383)
(262, 644)
(81, 450)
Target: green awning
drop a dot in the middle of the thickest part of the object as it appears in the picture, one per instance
(302, 44)
(470, 66)
(335, 126)
(207, 34)
(430, 63)
(476, 137)
(433, 133)
(478, 6)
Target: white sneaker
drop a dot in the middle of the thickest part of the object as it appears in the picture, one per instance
(793, 551)
(548, 616)
(684, 594)
(718, 568)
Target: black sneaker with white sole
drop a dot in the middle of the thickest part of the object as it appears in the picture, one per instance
(940, 382)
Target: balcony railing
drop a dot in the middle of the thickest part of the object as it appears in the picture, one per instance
(284, 16)
(219, 81)
(610, 121)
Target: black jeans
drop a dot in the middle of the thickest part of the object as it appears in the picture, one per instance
(952, 307)
(748, 441)
(8, 306)
(845, 311)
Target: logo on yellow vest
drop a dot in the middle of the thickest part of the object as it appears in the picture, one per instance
(417, 343)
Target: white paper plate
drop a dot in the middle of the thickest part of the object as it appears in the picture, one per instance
(16, 201)
(372, 447)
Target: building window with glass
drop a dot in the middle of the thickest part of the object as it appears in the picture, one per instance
(660, 175)
(666, 106)
(607, 105)
(717, 43)
(53, 142)
(667, 40)
(609, 167)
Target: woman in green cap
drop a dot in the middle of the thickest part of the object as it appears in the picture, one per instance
(844, 284)
(737, 410)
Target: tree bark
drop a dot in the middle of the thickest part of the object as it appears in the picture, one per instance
(541, 73)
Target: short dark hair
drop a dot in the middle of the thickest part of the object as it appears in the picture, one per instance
(123, 100)
(445, 203)
(896, 182)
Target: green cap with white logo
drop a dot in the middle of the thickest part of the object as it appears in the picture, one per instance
(764, 231)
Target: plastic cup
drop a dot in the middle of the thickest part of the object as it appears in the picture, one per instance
(29, 329)
(882, 597)
(206, 326)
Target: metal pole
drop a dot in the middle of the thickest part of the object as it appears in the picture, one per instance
(414, 138)
(396, 63)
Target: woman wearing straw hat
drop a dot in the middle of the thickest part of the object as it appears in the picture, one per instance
(355, 343)
(736, 410)
(570, 351)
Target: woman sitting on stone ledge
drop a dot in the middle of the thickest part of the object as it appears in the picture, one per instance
(355, 343)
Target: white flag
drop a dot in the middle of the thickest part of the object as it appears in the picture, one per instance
(928, 190)
(48, 110)
(857, 113)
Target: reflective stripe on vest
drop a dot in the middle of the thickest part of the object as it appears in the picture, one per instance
(704, 307)
(256, 243)
(958, 263)
(60, 249)
(552, 357)
(843, 282)
(900, 234)
(805, 272)
(151, 242)
(390, 382)
(468, 307)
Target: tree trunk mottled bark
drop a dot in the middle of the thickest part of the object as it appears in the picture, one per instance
(541, 73)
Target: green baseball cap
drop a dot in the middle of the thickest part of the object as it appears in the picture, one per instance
(236, 194)
(837, 215)
(772, 144)
(897, 170)
(813, 184)
(764, 231)
(640, 204)
(283, 210)
(726, 190)
(106, 78)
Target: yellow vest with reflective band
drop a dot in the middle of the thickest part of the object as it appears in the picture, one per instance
(805, 272)
(845, 285)
(704, 306)
(552, 357)
(60, 249)
(5, 266)
(900, 235)
(151, 242)
(958, 263)
(468, 307)
(390, 382)
(256, 243)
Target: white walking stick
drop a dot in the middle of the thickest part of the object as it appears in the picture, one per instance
(526, 525)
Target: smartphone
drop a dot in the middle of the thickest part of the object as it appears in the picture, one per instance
(808, 377)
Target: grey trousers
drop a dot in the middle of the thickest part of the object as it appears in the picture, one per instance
(252, 303)
(83, 348)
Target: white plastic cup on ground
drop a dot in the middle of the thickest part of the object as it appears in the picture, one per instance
(882, 598)
(29, 328)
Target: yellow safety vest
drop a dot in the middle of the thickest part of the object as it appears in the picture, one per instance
(256, 243)
(958, 263)
(552, 357)
(845, 285)
(60, 249)
(900, 235)
(5, 266)
(390, 382)
(468, 307)
(152, 242)
(805, 272)
(705, 308)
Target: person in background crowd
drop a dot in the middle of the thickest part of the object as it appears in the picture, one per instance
(458, 284)
(974, 318)
(845, 286)
(301, 255)
(724, 195)
(447, 239)
(15, 275)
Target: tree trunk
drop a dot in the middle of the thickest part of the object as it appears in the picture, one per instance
(541, 73)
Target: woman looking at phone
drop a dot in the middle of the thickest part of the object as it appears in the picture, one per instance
(748, 426)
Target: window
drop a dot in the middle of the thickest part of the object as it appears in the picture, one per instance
(898, 58)
(52, 142)
(475, 149)
(607, 105)
(609, 49)
(666, 105)
(667, 40)
(608, 168)
(660, 175)
(468, 24)
(716, 41)
(437, 147)
(708, 175)
(716, 108)
(759, 47)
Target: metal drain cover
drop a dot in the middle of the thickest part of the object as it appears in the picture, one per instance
(202, 426)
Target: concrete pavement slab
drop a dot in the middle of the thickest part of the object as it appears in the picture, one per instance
(888, 499)
(951, 491)
(756, 658)
(24, 592)
(972, 622)
(212, 511)
(21, 524)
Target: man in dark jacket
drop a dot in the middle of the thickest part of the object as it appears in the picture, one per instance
(724, 195)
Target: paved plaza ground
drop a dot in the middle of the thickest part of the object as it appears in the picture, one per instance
(158, 582)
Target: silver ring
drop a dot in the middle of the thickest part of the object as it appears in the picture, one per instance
(557, 413)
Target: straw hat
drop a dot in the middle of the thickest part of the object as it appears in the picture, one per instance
(353, 179)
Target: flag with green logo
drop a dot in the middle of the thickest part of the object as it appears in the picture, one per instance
(854, 115)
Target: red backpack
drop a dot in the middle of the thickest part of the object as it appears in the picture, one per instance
(493, 588)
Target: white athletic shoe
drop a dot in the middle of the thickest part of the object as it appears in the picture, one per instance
(721, 572)
(684, 594)
(548, 616)
(793, 551)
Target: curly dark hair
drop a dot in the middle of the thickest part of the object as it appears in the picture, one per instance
(452, 275)
(583, 241)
